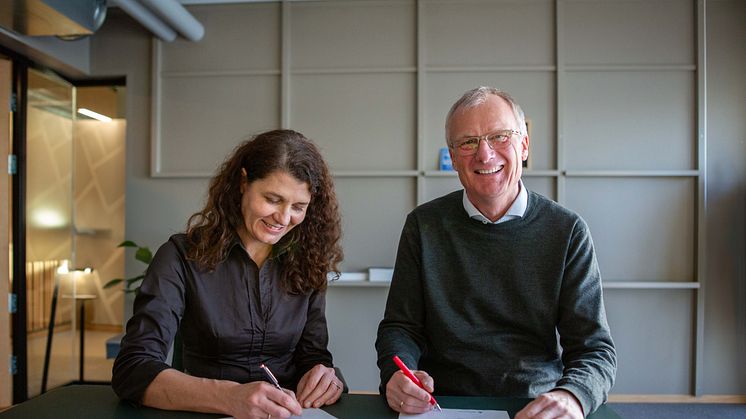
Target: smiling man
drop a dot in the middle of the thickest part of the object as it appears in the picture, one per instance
(496, 289)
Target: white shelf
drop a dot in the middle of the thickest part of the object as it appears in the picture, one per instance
(375, 173)
(631, 173)
(662, 285)
(360, 284)
(635, 285)
(491, 69)
(673, 67)
(360, 70)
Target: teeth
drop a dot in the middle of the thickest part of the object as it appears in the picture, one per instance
(488, 171)
(276, 227)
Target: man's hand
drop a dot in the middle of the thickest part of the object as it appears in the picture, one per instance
(319, 386)
(559, 404)
(404, 396)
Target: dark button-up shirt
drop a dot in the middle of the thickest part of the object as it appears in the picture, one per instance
(231, 320)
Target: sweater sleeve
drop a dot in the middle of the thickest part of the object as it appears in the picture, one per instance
(157, 309)
(401, 332)
(588, 352)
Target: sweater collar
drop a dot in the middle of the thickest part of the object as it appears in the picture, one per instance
(516, 210)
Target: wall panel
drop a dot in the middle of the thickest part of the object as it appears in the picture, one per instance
(630, 120)
(204, 118)
(653, 340)
(360, 121)
(629, 32)
(361, 34)
(488, 33)
(650, 239)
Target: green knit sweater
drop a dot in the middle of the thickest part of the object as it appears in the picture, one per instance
(511, 309)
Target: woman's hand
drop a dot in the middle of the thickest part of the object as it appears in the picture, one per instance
(261, 400)
(318, 387)
(404, 396)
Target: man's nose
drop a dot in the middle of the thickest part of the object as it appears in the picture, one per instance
(484, 151)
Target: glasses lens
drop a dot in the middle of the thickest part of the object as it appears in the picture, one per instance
(499, 138)
(469, 145)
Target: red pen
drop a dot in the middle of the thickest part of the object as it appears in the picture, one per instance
(414, 379)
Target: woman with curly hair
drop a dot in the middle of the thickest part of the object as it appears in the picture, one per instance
(245, 286)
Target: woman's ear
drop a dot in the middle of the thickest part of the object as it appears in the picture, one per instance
(244, 181)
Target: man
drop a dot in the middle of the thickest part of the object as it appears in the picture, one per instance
(496, 289)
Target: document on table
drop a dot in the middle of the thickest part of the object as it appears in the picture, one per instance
(310, 413)
(459, 414)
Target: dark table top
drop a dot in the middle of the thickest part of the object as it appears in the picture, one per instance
(99, 401)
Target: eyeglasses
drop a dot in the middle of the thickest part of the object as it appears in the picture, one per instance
(470, 145)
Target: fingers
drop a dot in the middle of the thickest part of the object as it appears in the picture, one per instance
(281, 404)
(555, 404)
(426, 380)
(309, 381)
(404, 396)
(259, 399)
(319, 386)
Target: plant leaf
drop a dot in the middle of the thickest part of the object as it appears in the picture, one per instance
(144, 255)
(128, 243)
(132, 280)
(113, 282)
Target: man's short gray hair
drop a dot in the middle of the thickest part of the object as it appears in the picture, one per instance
(478, 96)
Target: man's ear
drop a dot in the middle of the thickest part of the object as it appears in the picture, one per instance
(524, 148)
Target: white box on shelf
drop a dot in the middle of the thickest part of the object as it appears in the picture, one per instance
(380, 274)
(347, 276)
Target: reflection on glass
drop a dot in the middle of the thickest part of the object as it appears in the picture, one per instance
(51, 103)
(75, 218)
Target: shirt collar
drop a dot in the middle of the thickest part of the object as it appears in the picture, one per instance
(516, 210)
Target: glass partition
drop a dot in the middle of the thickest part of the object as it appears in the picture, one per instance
(49, 215)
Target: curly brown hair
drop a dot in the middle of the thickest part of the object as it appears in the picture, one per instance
(310, 250)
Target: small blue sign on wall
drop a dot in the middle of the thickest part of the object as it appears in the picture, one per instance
(445, 162)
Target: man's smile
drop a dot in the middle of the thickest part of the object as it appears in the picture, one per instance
(489, 171)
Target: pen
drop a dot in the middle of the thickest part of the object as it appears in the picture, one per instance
(271, 376)
(414, 379)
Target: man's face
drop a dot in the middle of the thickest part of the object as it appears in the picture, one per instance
(488, 175)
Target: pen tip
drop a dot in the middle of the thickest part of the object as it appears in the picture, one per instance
(437, 406)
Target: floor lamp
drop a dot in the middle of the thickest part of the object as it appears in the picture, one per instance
(73, 282)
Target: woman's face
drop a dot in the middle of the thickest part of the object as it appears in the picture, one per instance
(272, 206)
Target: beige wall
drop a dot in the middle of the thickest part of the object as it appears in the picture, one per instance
(99, 209)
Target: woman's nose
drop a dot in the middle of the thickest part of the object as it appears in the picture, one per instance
(283, 215)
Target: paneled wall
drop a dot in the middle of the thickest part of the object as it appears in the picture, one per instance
(614, 90)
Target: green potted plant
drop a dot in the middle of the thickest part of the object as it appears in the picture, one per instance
(144, 255)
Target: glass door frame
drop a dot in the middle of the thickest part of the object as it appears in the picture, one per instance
(18, 226)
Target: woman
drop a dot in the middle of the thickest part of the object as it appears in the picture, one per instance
(245, 287)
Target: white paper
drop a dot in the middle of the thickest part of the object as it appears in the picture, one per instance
(459, 414)
(313, 413)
